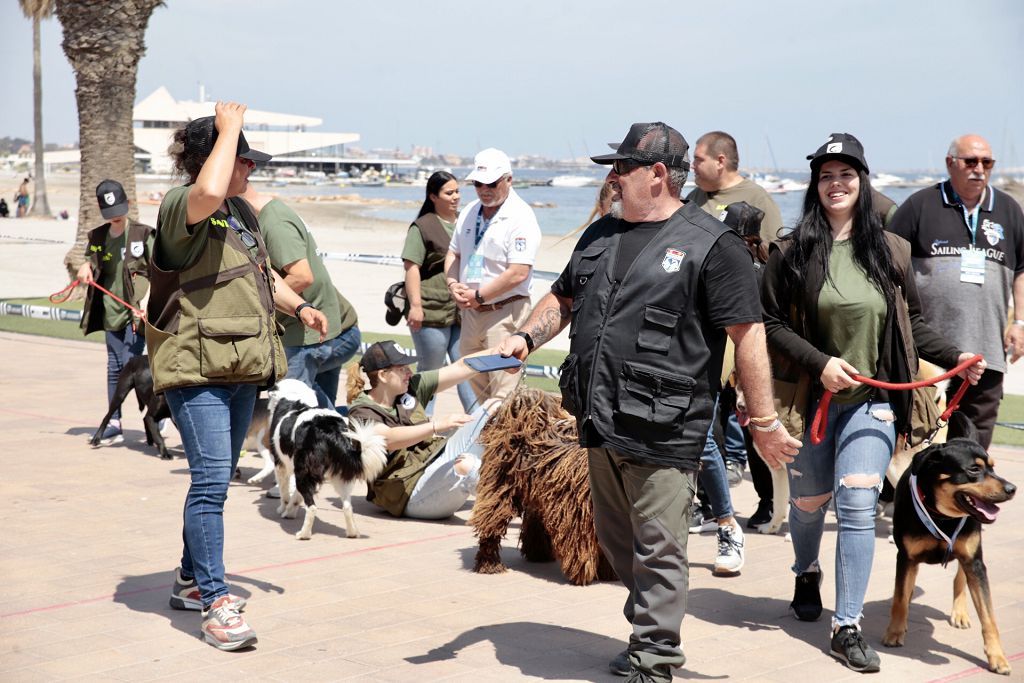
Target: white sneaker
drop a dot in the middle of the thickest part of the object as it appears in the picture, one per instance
(274, 491)
(111, 435)
(730, 550)
(163, 425)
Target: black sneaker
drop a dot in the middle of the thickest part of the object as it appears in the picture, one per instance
(702, 520)
(806, 603)
(620, 665)
(762, 515)
(848, 646)
(734, 472)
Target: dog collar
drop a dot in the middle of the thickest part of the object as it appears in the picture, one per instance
(929, 523)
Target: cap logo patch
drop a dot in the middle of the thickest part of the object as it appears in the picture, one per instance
(109, 198)
(834, 148)
(673, 259)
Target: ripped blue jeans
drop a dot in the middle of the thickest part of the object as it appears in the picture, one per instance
(848, 466)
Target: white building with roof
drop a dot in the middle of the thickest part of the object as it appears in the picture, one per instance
(285, 136)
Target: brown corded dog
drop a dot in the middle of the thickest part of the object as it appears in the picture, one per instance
(942, 501)
(534, 468)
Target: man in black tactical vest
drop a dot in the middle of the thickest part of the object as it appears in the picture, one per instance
(649, 294)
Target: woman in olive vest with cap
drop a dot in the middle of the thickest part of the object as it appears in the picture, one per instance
(429, 474)
(432, 316)
(213, 343)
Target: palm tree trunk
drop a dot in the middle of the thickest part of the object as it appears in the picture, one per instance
(40, 204)
(104, 42)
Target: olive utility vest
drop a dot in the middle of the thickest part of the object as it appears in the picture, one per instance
(212, 322)
(134, 264)
(644, 363)
(438, 308)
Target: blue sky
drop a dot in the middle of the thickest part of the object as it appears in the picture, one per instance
(553, 76)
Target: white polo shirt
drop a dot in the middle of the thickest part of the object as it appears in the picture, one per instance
(513, 236)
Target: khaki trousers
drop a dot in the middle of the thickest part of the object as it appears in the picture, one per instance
(485, 330)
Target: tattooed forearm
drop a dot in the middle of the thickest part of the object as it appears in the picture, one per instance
(548, 318)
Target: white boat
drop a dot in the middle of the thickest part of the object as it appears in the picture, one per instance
(886, 179)
(574, 181)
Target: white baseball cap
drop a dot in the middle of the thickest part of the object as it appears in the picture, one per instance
(489, 165)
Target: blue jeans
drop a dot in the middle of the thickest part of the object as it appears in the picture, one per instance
(319, 365)
(122, 346)
(849, 467)
(712, 476)
(735, 444)
(212, 421)
(433, 344)
(441, 491)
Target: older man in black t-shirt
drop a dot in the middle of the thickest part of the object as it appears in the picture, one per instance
(649, 298)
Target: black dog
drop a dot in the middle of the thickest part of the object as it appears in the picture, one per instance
(942, 501)
(136, 375)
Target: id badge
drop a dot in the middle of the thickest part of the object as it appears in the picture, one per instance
(972, 266)
(475, 270)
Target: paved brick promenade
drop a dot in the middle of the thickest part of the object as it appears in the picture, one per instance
(91, 537)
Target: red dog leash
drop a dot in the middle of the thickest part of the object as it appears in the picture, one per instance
(821, 417)
(64, 294)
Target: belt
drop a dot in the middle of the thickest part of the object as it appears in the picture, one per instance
(498, 304)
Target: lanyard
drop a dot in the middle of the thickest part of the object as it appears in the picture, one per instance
(929, 523)
(481, 227)
(971, 218)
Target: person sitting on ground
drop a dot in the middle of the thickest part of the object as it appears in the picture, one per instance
(117, 258)
(429, 475)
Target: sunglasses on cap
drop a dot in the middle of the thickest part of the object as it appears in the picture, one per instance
(477, 183)
(971, 162)
(624, 166)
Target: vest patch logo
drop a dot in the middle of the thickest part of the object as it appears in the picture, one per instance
(136, 249)
(673, 259)
(408, 401)
(993, 231)
(219, 223)
(520, 244)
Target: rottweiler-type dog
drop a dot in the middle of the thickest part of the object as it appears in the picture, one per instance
(137, 375)
(955, 487)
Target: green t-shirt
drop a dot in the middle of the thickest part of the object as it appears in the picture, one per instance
(179, 244)
(438, 307)
(289, 240)
(747, 191)
(115, 314)
(851, 317)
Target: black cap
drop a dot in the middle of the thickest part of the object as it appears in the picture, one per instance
(640, 144)
(383, 354)
(743, 218)
(201, 134)
(112, 199)
(396, 302)
(843, 147)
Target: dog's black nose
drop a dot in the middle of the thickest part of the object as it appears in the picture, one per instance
(1009, 488)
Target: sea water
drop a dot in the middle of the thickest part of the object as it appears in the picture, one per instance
(559, 210)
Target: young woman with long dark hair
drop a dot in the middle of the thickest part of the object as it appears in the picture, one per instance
(838, 301)
(433, 318)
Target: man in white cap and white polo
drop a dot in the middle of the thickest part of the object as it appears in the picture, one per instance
(489, 267)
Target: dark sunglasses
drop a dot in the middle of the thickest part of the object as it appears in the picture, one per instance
(477, 183)
(248, 162)
(971, 162)
(247, 239)
(624, 166)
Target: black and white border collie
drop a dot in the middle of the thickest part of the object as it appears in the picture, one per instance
(311, 444)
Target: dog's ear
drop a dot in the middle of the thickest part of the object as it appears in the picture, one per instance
(962, 427)
(921, 460)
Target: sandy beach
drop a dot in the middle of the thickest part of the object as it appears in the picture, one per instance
(32, 250)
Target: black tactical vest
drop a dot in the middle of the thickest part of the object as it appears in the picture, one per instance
(644, 363)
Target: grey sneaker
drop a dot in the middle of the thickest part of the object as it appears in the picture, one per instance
(185, 595)
(730, 550)
(701, 520)
(224, 628)
(620, 664)
(274, 491)
(111, 435)
(734, 472)
(849, 647)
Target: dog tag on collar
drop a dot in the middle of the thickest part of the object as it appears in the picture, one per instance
(407, 401)
(972, 266)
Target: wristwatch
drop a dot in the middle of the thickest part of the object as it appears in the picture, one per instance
(527, 338)
(304, 304)
(479, 299)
